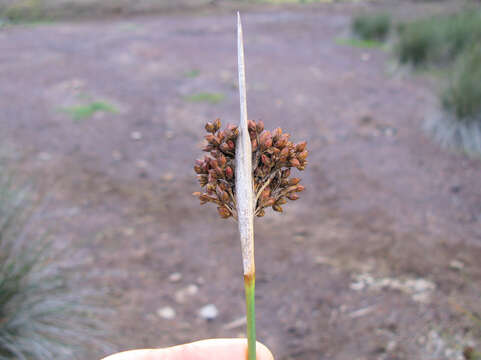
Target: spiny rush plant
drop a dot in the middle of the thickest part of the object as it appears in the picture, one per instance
(42, 314)
(248, 170)
(272, 156)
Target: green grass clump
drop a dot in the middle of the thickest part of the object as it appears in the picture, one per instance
(372, 27)
(26, 11)
(42, 314)
(463, 95)
(458, 124)
(438, 39)
(192, 73)
(212, 98)
(359, 43)
(80, 112)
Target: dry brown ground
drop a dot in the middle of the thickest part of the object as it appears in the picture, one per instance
(377, 261)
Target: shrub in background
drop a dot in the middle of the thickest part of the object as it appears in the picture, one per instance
(459, 124)
(43, 315)
(24, 11)
(438, 39)
(372, 26)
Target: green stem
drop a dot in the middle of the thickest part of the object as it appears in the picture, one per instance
(250, 285)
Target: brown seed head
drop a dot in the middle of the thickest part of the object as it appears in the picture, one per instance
(272, 154)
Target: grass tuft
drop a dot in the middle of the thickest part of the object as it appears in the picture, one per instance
(212, 98)
(81, 112)
(459, 123)
(42, 314)
(438, 39)
(372, 27)
(463, 95)
(25, 12)
(359, 43)
(192, 73)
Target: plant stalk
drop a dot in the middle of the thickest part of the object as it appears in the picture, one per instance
(250, 285)
(245, 199)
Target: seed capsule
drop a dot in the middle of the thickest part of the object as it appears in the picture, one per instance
(261, 213)
(224, 197)
(284, 154)
(224, 147)
(269, 202)
(223, 212)
(266, 139)
(302, 155)
(260, 126)
(282, 141)
(251, 125)
(277, 208)
(294, 181)
(217, 124)
(293, 197)
(265, 160)
(266, 193)
(277, 133)
(222, 160)
(301, 146)
(294, 162)
(291, 188)
(229, 173)
(210, 127)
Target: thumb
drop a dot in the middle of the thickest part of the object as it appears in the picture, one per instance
(211, 349)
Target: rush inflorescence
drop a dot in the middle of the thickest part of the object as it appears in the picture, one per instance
(273, 156)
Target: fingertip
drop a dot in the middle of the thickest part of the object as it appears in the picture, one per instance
(263, 353)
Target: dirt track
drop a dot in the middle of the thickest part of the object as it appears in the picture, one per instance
(365, 266)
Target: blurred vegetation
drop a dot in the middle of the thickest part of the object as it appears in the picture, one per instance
(212, 98)
(80, 112)
(438, 39)
(39, 11)
(459, 123)
(372, 27)
(192, 73)
(359, 43)
(26, 11)
(449, 46)
(43, 315)
(462, 96)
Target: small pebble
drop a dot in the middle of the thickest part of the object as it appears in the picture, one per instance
(209, 312)
(142, 164)
(166, 313)
(175, 277)
(182, 295)
(365, 57)
(456, 265)
(136, 135)
(116, 155)
(44, 156)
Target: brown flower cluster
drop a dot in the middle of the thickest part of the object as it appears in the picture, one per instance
(273, 156)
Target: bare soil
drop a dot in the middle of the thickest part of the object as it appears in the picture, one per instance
(380, 259)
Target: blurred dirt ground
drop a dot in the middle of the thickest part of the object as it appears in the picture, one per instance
(380, 259)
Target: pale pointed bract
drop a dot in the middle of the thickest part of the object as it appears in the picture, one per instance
(244, 185)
